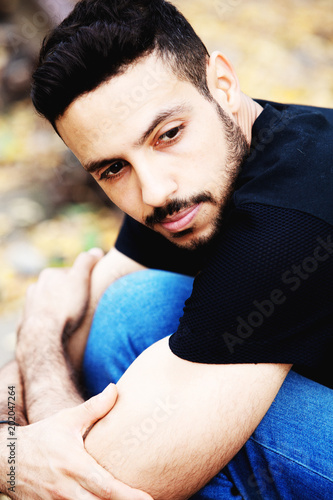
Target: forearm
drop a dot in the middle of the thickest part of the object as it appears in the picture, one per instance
(48, 378)
(12, 410)
(51, 381)
(176, 423)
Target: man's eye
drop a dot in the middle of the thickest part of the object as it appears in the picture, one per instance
(113, 170)
(169, 135)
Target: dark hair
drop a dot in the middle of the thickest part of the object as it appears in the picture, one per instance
(101, 38)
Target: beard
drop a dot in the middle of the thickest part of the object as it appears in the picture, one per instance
(238, 150)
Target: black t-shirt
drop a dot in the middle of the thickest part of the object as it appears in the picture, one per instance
(265, 292)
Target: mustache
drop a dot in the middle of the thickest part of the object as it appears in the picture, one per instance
(176, 205)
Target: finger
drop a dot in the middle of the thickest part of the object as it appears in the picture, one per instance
(98, 252)
(81, 493)
(86, 414)
(101, 483)
(85, 261)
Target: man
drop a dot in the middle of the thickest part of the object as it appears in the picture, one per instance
(217, 186)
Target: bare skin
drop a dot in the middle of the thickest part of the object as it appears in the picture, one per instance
(52, 474)
(111, 267)
(177, 391)
(58, 417)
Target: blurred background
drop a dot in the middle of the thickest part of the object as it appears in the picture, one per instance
(50, 209)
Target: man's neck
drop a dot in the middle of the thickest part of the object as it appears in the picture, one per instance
(248, 113)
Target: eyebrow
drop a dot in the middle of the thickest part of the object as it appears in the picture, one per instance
(94, 166)
(160, 118)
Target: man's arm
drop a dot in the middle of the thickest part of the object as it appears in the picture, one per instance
(48, 390)
(177, 423)
(52, 461)
(111, 267)
(50, 379)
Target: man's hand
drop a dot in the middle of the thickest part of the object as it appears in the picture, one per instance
(53, 464)
(57, 301)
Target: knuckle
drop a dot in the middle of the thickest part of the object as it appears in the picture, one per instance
(107, 492)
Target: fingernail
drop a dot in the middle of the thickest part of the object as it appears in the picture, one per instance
(108, 388)
(98, 252)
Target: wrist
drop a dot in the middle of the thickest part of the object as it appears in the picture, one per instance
(42, 327)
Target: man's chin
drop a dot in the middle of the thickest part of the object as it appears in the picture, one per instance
(190, 239)
(180, 236)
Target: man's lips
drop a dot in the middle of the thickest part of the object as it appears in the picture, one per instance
(179, 221)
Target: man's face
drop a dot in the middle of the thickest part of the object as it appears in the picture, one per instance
(162, 152)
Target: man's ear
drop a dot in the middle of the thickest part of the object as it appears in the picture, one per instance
(223, 82)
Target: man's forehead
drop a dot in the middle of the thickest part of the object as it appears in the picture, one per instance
(126, 104)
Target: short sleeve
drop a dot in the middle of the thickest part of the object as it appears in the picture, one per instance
(266, 295)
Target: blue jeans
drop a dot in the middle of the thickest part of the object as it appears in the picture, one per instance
(289, 456)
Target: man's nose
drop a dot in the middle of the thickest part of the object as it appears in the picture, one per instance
(157, 185)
